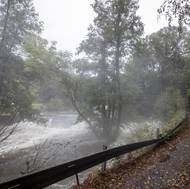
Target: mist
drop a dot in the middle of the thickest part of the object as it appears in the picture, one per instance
(113, 81)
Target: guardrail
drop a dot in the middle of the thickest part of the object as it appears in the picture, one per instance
(52, 175)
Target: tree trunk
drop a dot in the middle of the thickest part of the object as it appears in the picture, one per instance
(117, 90)
(104, 108)
(5, 24)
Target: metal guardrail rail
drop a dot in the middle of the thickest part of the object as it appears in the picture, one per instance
(52, 175)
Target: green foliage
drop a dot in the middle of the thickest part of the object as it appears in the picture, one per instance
(15, 97)
(169, 103)
(17, 20)
(171, 123)
(54, 105)
(45, 67)
(146, 132)
(109, 41)
(141, 132)
(37, 107)
(188, 93)
(176, 9)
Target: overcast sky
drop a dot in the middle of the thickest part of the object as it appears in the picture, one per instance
(66, 21)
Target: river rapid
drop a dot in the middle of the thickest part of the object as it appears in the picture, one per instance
(33, 146)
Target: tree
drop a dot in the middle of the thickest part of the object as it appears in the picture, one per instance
(176, 9)
(169, 103)
(140, 82)
(45, 67)
(159, 62)
(167, 50)
(17, 20)
(179, 10)
(110, 40)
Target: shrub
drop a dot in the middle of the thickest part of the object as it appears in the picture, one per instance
(54, 104)
(169, 103)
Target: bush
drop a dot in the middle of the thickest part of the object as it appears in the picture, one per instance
(169, 103)
(169, 125)
(38, 107)
(54, 104)
(138, 133)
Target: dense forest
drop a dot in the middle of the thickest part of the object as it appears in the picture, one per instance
(118, 75)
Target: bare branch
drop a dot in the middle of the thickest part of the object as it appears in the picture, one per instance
(8, 130)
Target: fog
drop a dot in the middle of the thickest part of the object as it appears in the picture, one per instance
(75, 78)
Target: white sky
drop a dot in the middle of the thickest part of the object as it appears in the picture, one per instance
(66, 21)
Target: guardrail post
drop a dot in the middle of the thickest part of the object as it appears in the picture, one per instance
(158, 133)
(77, 178)
(104, 164)
(188, 106)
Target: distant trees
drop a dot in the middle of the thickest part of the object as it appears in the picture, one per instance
(17, 20)
(178, 10)
(44, 66)
(161, 65)
(168, 50)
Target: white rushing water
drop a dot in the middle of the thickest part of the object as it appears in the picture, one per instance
(66, 141)
(62, 126)
(28, 134)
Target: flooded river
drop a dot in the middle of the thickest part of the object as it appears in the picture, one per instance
(33, 147)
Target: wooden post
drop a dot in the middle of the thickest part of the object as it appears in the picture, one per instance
(104, 164)
(77, 178)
